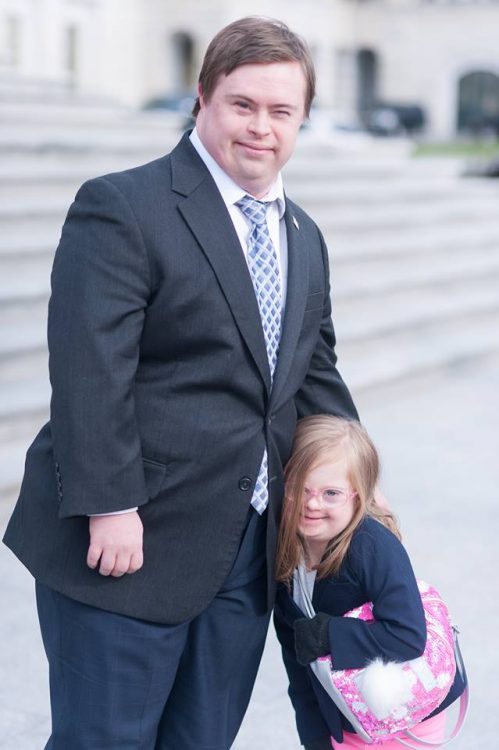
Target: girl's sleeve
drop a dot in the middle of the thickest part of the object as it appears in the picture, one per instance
(309, 721)
(383, 568)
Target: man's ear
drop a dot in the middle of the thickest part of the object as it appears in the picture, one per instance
(200, 95)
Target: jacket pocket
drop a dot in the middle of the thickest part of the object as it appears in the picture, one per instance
(315, 301)
(155, 474)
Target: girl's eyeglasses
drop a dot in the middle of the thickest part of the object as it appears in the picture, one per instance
(332, 497)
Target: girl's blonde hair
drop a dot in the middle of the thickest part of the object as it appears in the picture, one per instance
(318, 440)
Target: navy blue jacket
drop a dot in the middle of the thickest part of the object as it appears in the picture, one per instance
(376, 569)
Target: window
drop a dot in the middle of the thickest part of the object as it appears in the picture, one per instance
(10, 50)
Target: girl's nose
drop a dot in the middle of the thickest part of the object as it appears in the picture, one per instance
(312, 500)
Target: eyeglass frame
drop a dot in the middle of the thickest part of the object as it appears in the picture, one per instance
(309, 492)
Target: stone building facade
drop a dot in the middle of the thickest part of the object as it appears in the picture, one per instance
(442, 55)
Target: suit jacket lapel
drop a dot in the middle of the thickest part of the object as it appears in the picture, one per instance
(206, 214)
(296, 297)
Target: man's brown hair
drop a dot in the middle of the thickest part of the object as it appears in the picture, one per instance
(251, 40)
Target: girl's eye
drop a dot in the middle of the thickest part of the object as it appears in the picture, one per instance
(331, 493)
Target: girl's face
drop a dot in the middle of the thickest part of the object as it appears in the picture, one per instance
(328, 505)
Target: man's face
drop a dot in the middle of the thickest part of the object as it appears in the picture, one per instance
(250, 122)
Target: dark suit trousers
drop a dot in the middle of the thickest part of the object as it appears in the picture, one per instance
(119, 682)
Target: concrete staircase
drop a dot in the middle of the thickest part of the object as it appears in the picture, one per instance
(414, 248)
(414, 261)
(49, 144)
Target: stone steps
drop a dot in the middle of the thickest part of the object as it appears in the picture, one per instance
(360, 318)
(357, 315)
(146, 144)
(367, 218)
(370, 356)
(414, 249)
(24, 328)
(71, 112)
(19, 241)
(380, 277)
(425, 241)
(47, 215)
(26, 278)
(384, 358)
(394, 191)
(392, 316)
(31, 395)
(56, 186)
(78, 122)
(15, 437)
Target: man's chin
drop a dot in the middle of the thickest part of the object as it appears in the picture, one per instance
(255, 180)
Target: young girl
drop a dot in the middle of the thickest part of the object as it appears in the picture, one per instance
(352, 553)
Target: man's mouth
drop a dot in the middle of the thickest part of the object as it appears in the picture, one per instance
(256, 148)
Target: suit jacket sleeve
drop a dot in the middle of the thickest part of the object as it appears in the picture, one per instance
(323, 390)
(100, 287)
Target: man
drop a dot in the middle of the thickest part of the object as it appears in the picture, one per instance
(189, 327)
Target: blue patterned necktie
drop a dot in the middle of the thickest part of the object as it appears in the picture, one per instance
(264, 270)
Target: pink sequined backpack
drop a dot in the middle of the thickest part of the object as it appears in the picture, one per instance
(384, 700)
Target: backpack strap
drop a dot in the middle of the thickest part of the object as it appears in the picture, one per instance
(306, 595)
(464, 702)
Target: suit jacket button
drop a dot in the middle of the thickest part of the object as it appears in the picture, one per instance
(245, 484)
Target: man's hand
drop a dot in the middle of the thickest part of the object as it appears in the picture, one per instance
(116, 540)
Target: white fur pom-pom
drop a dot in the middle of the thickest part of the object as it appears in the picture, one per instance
(384, 688)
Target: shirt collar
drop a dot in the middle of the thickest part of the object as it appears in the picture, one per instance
(229, 191)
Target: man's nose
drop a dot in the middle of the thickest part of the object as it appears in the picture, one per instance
(260, 122)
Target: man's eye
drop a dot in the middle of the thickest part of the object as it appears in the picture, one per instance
(242, 105)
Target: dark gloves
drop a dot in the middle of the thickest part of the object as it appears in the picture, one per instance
(311, 638)
(323, 744)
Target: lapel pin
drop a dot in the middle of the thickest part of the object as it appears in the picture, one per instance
(295, 222)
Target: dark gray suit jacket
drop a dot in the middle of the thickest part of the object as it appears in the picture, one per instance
(161, 387)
